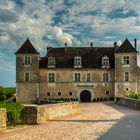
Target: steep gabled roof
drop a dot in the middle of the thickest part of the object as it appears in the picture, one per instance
(126, 47)
(27, 47)
(91, 57)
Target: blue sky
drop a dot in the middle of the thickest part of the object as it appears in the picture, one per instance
(53, 22)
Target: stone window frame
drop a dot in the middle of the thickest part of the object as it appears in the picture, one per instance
(27, 60)
(77, 62)
(27, 76)
(77, 77)
(51, 61)
(51, 77)
(106, 77)
(126, 76)
(126, 60)
(70, 93)
(105, 61)
(88, 77)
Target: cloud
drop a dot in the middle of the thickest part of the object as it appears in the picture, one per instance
(8, 16)
(55, 22)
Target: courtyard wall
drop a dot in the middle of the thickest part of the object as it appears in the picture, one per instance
(131, 103)
(35, 114)
(2, 119)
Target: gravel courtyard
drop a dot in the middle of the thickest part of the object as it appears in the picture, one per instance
(95, 121)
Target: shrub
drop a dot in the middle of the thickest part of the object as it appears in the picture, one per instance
(2, 97)
(134, 95)
(13, 111)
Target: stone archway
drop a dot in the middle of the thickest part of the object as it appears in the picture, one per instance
(85, 96)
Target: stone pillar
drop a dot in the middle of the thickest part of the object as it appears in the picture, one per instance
(2, 119)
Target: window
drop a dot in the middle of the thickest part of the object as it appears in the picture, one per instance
(88, 77)
(77, 61)
(70, 93)
(51, 61)
(27, 77)
(77, 77)
(126, 89)
(51, 77)
(105, 61)
(48, 93)
(126, 76)
(107, 92)
(126, 60)
(59, 93)
(27, 60)
(105, 77)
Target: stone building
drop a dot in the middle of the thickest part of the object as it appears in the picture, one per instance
(76, 73)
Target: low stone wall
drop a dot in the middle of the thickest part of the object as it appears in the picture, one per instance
(132, 103)
(34, 114)
(2, 119)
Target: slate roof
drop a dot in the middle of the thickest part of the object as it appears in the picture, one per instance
(91, 57)
(27, 47)
(126, 47)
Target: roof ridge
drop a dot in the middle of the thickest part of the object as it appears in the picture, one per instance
(27, 47)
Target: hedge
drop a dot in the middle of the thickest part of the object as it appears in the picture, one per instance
(13, 111)
(134, 95)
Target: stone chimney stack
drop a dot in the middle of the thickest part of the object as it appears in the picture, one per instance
(135, 43)
(116, 46)
(66, 46)
(91, 44)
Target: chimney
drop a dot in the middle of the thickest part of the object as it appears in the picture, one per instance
(66, 46)
(49, 48)
(116, 46)
(135, 43)
(91, 44)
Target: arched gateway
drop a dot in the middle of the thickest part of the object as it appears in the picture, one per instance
(85, 96)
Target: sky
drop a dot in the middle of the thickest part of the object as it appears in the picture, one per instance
(54, 22)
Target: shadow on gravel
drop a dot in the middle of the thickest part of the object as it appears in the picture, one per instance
(86, 121)
(127, 128)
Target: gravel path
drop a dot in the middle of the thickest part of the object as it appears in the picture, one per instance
(94, 120)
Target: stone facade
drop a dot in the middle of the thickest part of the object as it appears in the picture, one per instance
(64, 86)
(2, 119)
(34, 114)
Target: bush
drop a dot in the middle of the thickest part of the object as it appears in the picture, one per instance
(13, 111)
(9, 91)
(134, 95)
(2, 97)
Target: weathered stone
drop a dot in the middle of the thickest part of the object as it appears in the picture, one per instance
(2, 119)
(132, 103)
(35, 114)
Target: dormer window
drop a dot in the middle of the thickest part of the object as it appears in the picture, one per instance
(27, 60)
(105, 62)
(126, 60)
(51, 62)
(77, 62)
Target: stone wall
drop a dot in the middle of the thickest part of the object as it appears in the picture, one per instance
(2, 119)
(34, 114)
(132, 103)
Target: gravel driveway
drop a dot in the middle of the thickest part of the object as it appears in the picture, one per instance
(95, 121)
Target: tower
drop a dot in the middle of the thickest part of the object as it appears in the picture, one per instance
(125, 69)
(27, 73)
